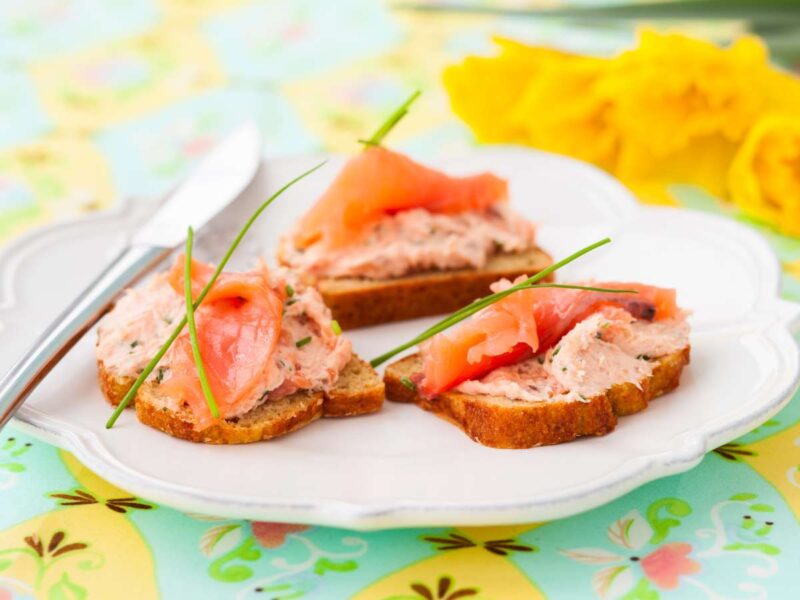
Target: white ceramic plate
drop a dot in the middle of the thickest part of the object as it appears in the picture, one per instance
(402, 466)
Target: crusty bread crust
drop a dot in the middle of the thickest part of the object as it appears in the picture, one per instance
(499, 422)
(271, 419)
(362, 302)
(359, 390)
(627, 399)
(114, 387)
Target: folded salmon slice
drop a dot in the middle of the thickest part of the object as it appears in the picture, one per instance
(238, 327)
(380, 182)
(525, 323)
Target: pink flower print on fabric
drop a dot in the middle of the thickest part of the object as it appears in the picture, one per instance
(273, 535)
(667, 564)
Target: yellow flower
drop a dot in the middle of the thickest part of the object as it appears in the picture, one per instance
(673, 89)
(484, 90)
(764, 178)
(682, 107)
(564, 110)
(672, 110)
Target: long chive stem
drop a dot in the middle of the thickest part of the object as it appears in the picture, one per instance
(486, 300)
(535, 278)
(198, 359)
(482, 303)
(393, 120)
(479, 305)
(471, 309)
(177, 331)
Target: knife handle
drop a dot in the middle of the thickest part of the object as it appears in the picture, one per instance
(130, 265)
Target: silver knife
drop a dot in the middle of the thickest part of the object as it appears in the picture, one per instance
(219, 178)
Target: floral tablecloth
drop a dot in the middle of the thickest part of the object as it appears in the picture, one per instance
(105, 99)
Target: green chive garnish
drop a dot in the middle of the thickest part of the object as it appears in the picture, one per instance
(337, 329)
(303, 342)
(177, 331)
(408, 383)
(482, 303)
(198, 360)
(389, 124)
(289, 290)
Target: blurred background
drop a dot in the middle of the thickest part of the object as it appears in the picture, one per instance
(693, 103)
(108, 99)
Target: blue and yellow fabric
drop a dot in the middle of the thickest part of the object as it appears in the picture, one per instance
(105, 100)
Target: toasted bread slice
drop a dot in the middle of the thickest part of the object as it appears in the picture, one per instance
(361, 302)
(503, 423)
(113, 386)
(358, 391)
(271, 419)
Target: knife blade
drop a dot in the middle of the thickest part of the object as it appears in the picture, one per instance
(220, 178)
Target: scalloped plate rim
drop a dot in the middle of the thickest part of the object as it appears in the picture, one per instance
(632, 472)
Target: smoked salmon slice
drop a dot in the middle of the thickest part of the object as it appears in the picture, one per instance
(524, 323)
(380, 182)
(238, 327)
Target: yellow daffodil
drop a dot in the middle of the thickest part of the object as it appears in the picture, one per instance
(672, 110)
(682, 107)
(764, 177)
(564, 110)
(673, 89)
(483, 90)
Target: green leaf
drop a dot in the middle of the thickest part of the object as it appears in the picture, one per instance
(743, 496)
(282, 591)
(768, 549)
(323, 565)
(12, 467)
(660, 525)
(761, 508)
(65, 589)
(762, 11)
(222, 570)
